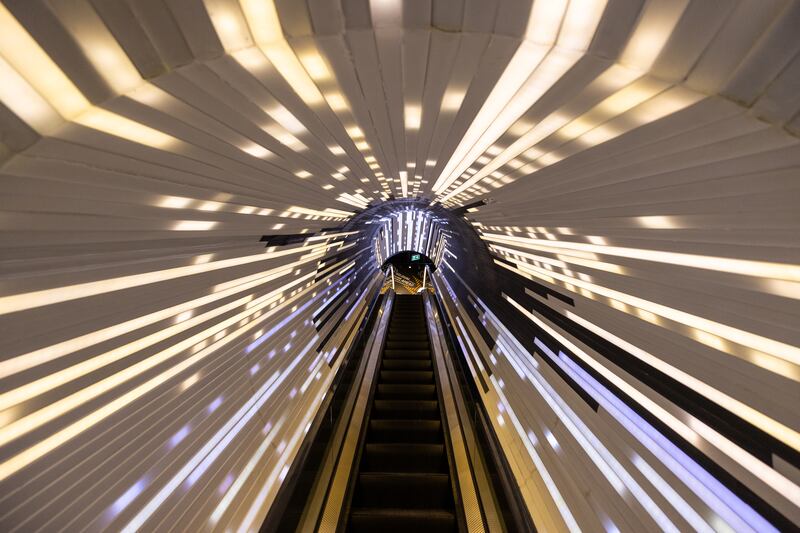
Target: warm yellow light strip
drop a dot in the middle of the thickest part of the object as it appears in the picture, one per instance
(98, 45)
(26, 57)
(31, 300)
(779, 350)
(769, 425)
(533, 69)
(229, 25)
(56, 409)
(56, 379)
(18, 95)
(308, 75)
(689, 431)
(744, 267)
(262, 18)
(329, 236)
(48, 444)
(328, 212)
(562, 260)
(652, 32)
(20, 53)
(44, 355)
(119, 126)
(614, 77)
(642, 102)
(755, 357)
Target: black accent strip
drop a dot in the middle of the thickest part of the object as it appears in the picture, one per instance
(458, 211)
(283, 240)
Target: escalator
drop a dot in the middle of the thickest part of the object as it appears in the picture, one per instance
(403, 479)
(403, 442)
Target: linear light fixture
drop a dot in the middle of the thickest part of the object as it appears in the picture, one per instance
(509, 99)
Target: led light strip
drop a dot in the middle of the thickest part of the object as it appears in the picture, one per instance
(691, 431)
(34, 299)
(570, 28)
(56, 409)
(59, 378)
(779, 350)
(46, 445)
(50, 353)
(744, 267)
(781, 432)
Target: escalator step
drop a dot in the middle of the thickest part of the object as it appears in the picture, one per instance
(401, 520)
(403, 482)
(406, 364)
(410, 409)
(409, 431)
(405, 331)
(406, 457)
(407, 336)
(406, 354)
(388, 391)
(407, 345)
(406, 376)
(403, 490)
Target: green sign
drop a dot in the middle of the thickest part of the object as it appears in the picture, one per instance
(415, 257)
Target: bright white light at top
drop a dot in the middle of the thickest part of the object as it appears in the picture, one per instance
(193, 225)
(659, 222)
(413, 115)
(256, 150)
(286, 119)
(451, 101)
(315, 66)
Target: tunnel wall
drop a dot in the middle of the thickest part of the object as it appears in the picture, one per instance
(143, 381)
(626, 318)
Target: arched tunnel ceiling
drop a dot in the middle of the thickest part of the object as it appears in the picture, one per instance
(630, 166)
(340, 103)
